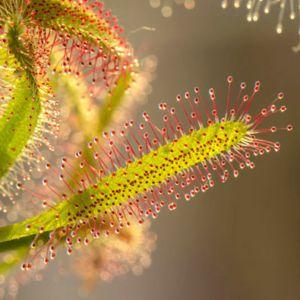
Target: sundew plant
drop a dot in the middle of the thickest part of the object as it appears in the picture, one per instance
(69, 84)
(256, 9)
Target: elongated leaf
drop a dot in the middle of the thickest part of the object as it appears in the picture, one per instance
(135, 181)
(23, 95)
(113, 101)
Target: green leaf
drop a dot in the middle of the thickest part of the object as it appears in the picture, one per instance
(24, 95)
(77, 20)
(18, 123)
(220, 137)
(113, 100)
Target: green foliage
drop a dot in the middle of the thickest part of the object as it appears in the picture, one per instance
(24, 54)
(78, 21)
(18, 123)
(135, 178)
(113, 101)
(25, 94)
(23, 57)
(30, 32)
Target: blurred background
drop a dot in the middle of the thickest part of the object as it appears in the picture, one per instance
(240, 240)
